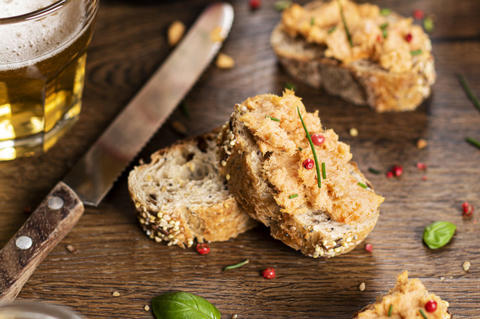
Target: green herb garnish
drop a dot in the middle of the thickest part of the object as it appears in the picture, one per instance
(293, 196)
(290, 86)
(332, 29)
(282, 5)
(317, 167)
(438, 234)
(384, 27)
(362, 185)
(390, 310)
(324, 171)
(272, 118)
(385, 12)
(240, 264)
(473, 141)
(184, 110)
(312, 21)
(179, 305)
(347, 32)
(416, 52)
(428, 24)
(300, 149)
(468, 91)
(374, 171)
(423, 314)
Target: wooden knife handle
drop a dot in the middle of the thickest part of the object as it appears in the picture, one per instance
(42, 231)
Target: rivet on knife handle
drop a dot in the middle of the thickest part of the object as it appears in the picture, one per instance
(42, 231)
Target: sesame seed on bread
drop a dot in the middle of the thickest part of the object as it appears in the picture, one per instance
(263, 161)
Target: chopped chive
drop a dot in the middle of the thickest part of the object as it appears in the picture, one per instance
(374, 171)
(468, 91)
(300, 149)
(347, 32)
(473, 141)
(332, 29)
(416, 52)
(293, 196)
(423, 314)
(290, 86)
(272, 118)
(317, 167)
(390, 310)
(240, 264)
(312, 21)
(385, 12)
(384, 27)
(282, 5)
(184, 110)
(428, 24)
(324, 171)
(362, 185)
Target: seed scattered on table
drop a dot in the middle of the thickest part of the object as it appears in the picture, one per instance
(234, 316)
(116, 294)
(146, 308)
(442, 278)
(421, 143)
(224, 61)
(362, 287)
(353, 132)
(175, 32)
(179, 127)
(466, 266)
(71, 248)
(216, 35)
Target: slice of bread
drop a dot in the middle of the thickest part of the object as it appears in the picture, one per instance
(362, 80)
(406, 300)
(181, 197)
(263, 149)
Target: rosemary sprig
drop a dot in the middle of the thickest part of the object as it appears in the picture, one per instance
(347, 32)
(390, 310)
(272, 118)
(423, 314)
(473, 141)
(317, 167)
(362, 185)
(293, 196)
(416, 52)
(374, 171)
(240, 264)
(324, 171)
(468, 91)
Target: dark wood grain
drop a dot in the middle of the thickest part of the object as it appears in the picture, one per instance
(114, 255)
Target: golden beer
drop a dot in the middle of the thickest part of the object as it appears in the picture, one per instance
(42, 67)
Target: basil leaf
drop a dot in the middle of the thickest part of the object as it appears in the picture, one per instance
(438, 234)
(183, 305)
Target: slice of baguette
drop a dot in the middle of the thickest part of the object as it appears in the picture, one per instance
(362, 82)
(262, 151)
(405, 300)
(181, 197)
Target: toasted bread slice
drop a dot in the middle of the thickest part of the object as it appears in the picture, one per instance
(361, 79)
(263, 150)
(406, 300)
(181, 197)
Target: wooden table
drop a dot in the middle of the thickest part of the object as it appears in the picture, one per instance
(114, 255)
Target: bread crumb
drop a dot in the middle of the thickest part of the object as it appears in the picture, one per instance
(353, 132)
(116, 294)
(466, 266)
(179, 127)
(421, 143)
(146, 308)
(224, 61)
(216, 34)
(442, 278)
(71, 248)
(175, 32)
(362, 286)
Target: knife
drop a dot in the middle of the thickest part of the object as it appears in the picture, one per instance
(93, 176)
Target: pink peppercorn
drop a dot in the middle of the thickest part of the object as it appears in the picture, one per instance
(408, 37)
(421, 166)
(397, 170)
(389, 174)
(255, 4)
(467, 209)
(418, 14)
(369, 247)
(431, 306)
(269, 273)
(203, 249)
(318, 139)
(308, 163)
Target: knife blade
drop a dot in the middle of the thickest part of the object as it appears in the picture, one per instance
(94, 174)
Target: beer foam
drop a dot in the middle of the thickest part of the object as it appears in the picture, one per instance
(26, 43)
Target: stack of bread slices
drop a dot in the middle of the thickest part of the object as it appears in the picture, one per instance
(213, 187)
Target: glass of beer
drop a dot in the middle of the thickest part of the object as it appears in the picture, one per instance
(42, 66)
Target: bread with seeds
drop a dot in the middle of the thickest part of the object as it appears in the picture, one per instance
(181, 198)
(263, 152)
(408, 300)
(388, 64)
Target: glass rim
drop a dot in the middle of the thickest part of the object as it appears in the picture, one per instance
(33, 15)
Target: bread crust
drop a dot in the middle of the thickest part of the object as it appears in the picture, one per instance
(362, 82)
(186, 224)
